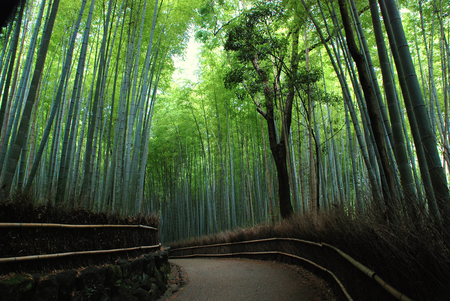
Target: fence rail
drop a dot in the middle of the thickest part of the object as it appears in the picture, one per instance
(371, 274)
(72, 226)
(56, 255)
(50, 225)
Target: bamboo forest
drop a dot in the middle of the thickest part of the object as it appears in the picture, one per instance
(294, 106)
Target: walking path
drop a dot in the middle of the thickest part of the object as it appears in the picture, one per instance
(242, 279)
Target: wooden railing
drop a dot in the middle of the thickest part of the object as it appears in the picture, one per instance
(371, 274)
(49, 225)
(71, 226)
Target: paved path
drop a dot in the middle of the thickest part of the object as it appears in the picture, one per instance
(240, 279)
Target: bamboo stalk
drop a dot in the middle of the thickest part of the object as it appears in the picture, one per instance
(47, 256)
(6, 225)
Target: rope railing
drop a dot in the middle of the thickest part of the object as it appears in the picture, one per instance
(371, 274)
(50, 225)
(56, 255)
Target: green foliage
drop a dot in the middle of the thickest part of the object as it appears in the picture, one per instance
(219, 111)
(307, 75)
(90, 291)
(234, 77)
(203, 35)
(234, 33)
(253, 33)
(323, 97)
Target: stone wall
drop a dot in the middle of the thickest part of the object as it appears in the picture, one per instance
(141, 279)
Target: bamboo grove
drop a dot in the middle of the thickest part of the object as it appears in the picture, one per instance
(300, 106)
(79, 83)
(354, 94)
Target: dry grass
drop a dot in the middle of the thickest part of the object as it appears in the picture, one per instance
(23, 208)
(36, 241)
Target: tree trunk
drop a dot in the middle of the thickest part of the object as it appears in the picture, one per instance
(278, 148)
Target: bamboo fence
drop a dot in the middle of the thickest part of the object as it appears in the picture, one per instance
(371, 274)
(57, 255)
(49, 225)
(71, 226)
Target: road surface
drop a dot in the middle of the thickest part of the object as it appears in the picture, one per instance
(242, 279)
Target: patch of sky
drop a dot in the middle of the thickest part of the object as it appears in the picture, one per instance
(187, 67)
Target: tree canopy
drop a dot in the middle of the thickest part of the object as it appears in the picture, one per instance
(300, 106)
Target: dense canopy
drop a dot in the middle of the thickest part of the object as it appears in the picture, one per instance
(299, 106)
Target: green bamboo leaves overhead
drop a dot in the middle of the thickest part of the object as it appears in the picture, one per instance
(88, 110)
(353, 142)
(297, 106)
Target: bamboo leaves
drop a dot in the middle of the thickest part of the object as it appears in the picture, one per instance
(102, 124)
(106, 86)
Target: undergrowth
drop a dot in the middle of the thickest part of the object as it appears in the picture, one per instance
(25, 241)
(23, 208)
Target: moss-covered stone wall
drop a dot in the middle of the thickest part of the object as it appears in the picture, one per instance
(140, 279)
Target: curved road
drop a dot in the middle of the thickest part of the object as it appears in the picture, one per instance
(241, 279)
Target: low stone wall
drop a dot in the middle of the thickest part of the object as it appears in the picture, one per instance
(144, 278)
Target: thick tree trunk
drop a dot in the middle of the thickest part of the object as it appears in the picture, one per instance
(284, 191)
(278, 148)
